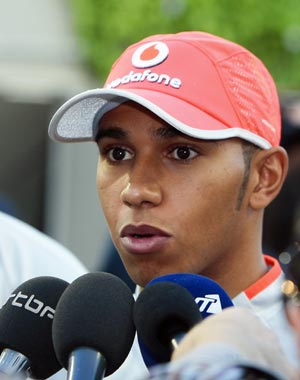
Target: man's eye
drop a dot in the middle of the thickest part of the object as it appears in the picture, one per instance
(119, 154)
(183, 153)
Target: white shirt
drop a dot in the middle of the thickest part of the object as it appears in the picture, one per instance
(26, 253)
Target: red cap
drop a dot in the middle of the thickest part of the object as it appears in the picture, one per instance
(203, 85)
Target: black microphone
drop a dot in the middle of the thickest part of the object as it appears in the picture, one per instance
(163, 313)
(207, 294)
(26, 329)
(93, 328)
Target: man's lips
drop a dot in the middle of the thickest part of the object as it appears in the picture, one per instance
(143, 239)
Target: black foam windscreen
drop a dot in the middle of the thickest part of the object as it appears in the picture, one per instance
(162, 311)
(95, 311)
(208, 295)
(26, 323)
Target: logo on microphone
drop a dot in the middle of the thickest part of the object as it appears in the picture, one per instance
(210, 303)
(32, 304)
(150, 54)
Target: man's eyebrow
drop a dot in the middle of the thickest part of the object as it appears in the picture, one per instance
(114, 132)
(167, 132)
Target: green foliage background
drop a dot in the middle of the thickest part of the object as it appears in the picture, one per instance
(269, 28)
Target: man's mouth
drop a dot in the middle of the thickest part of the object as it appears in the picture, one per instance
(143, 239)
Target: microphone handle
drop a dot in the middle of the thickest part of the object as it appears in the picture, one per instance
(14, 364)
(176, 340)
(86, 364)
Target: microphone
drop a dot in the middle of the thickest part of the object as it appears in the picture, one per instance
(93, 328)
(207, 295)
(162, 314)
(25, 329)
(210, 297)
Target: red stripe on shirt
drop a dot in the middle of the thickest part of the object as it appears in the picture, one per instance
(267, 279)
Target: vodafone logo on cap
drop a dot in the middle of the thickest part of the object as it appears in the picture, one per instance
(150, 54)
(147, 55)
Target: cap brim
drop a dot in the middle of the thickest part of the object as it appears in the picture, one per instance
(77, 119)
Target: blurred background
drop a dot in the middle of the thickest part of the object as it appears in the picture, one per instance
(53, 49)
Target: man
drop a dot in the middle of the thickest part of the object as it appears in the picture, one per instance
(188, 129)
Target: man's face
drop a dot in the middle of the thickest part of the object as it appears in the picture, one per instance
(171, 201)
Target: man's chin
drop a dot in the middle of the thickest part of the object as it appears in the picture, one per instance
(143, 279)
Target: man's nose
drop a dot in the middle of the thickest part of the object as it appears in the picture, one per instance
(143, 188)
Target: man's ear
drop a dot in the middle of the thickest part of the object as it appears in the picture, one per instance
(269, 172)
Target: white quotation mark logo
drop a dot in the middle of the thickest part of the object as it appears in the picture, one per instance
(210, 303)
(150, 54)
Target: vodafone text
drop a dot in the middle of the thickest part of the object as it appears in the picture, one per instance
(32, 304)
(147, 75)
